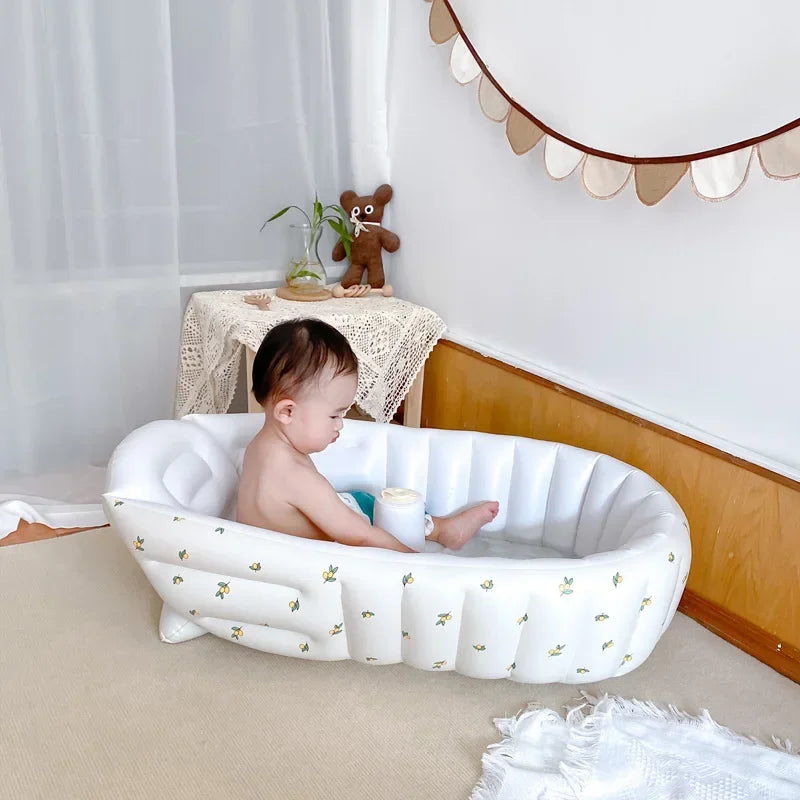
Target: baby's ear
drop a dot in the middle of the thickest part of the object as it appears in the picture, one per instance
(383, 194)
(347, 200)
(283, 411)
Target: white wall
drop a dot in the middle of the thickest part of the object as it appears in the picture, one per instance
(685, 314)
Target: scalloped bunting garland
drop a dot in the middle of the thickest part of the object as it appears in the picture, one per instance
(603, 178)
(522, 134)
(713, 178)
(780, 156)
(655, 181)
(441, 24)
(462, 63)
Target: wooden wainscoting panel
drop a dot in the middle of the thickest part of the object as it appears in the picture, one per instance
(745, 520)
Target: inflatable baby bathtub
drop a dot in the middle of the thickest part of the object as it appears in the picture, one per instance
(575, 581)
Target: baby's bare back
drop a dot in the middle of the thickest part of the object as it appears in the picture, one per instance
(271, 478)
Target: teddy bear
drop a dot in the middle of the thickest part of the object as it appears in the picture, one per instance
(369, 238)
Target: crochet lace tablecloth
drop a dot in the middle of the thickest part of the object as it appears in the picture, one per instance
(391, 339)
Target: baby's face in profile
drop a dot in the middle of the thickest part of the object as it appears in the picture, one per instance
(319, 409)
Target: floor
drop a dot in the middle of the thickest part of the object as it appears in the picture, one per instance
(34, 532)
(95, 706)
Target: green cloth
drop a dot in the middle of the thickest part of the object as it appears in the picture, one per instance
(366, 502)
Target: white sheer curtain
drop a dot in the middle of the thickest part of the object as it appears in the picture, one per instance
(273, 101)
(141, 143)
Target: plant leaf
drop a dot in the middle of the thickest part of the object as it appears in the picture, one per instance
(304, 273)
(275, 216)
(317, 212)
(282, 212)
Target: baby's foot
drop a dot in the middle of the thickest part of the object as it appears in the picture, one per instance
(454, 532)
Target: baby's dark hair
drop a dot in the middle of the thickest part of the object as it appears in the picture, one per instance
(296, 352)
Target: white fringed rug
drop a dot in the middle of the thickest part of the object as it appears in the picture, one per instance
(615, 749)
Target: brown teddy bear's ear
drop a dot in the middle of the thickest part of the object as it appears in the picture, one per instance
(383, 194)
(347, 200)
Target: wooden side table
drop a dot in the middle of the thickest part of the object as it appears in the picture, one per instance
(412, 411)
(390, 337)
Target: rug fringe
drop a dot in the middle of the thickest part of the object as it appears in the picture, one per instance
(670, 713)
(586, 721)
(495, 759)
(494, 773)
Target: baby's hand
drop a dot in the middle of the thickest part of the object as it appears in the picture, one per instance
(320, 503)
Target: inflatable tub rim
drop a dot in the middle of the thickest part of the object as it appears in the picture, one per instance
(634, 548)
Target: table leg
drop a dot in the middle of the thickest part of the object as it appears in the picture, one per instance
(252, 405)
(412, 415)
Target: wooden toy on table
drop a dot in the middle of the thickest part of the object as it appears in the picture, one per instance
(260, 300)
(361, 290)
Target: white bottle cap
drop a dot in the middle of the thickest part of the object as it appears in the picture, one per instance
(400, 497)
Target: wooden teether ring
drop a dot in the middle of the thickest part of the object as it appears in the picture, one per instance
(360, 290)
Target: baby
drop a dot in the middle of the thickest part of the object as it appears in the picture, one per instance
(305, 378)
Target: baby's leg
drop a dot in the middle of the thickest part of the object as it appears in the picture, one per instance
(455, 531)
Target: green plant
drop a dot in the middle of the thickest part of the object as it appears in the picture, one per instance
(319, 216)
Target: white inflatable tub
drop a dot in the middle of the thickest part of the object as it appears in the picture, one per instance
(575, 581)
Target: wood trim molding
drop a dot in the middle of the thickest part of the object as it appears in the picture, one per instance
(769, 649)
(626, 415)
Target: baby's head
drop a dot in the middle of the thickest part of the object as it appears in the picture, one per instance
(305, 376)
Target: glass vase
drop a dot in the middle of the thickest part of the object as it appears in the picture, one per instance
(306, 274)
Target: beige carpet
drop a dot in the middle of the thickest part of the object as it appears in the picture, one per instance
(92, 705)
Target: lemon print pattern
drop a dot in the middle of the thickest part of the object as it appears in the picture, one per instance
(219, 530)
(294, 605)
(193, 612)
(627, 659)
(479, 647)
(118, 503)
(237, 633)
(671, 557)
(183, 554)
(138, 543)
(329, 575)
(608, 644)
(601, 618)
(523, 618)
(224, 588)
(566, 587)
(486, 585)
(646, 601)
(443, 618)
(557, 650)
(336, 629)
(407, 579)
(439, 664)
(581, 670)
(177, 580)
(405, 635)
(304, 647)
(367, 614)
(617, 579)
(370, 659)
(511, 666)
(177, 519)
(255, 566)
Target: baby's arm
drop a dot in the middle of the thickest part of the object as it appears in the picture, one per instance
(320, 503)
